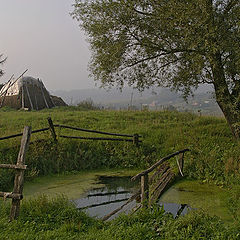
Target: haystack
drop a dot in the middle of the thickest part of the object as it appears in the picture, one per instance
(28, 93)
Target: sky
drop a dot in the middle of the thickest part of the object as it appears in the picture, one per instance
(41, 36)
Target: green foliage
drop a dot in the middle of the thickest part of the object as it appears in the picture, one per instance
(178, 44)
(45, 218)
(151, 42)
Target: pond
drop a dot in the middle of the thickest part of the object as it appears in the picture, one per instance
(99, 193)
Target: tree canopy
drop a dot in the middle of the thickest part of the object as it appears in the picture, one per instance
(170, 43)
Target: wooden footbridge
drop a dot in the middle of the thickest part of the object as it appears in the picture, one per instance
(154, 181)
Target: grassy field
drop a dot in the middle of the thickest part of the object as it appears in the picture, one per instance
(214, 158)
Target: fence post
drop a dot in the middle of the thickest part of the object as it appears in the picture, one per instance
(144, 191)
(51, 127)
(19, 176)
(136, 139)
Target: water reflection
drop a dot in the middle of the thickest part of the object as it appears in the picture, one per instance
(99, 202)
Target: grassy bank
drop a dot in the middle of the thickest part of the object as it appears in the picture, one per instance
(44, 218)
(214, 158)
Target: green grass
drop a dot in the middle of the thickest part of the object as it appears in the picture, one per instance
(56, 218)
(214, 158)
(214, 154)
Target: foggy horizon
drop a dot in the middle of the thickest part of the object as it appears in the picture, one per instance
(42, 37)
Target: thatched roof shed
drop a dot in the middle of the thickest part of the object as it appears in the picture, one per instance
(27, 93)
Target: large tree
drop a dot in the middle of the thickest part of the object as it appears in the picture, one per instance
(170, 43)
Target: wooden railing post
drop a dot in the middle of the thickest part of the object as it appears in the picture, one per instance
(19, 176)
(180, 163)
(51, 127)
(144, 191)
(136, 139)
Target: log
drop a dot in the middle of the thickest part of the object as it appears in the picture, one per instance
(12, 166)
(29, 97)
(96, 138)
(44, 98)
(158, 163)
(20, 134)
(9, 81)
(133, 197)
(163, 178)
(95, 131)
(19, 176)
(104, 203)
(15, 81)
(11, 195)
(11, 136)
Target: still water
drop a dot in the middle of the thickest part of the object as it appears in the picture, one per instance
(99, 202)
(104, 191)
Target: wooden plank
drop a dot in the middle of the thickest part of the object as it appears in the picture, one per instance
(133, 197)
(158, 173)
(13, 166)
(158, 163)
(144, 191)
(51, 127)
(9, 81)
(15, 81)
(95, 131)
(11, 195)
(29, 97)
(163, 178)
(23, 103)
(96, 138)
(181, 163)
(44, 98)
(19, 176)
(158, 192)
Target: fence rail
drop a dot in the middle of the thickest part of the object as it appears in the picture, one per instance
(135, 137)
(94, 131)
(20, 134)
(159, 163)
(96, 138)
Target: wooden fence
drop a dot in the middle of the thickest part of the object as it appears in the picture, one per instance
(20, 167)
(135, 138)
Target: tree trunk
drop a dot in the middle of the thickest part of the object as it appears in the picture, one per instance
(228, 103)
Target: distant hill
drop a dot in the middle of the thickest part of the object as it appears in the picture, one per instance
(155, 99)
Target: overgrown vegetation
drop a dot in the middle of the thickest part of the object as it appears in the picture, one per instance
(214, 158)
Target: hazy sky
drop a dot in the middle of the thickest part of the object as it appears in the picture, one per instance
(41, 36)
